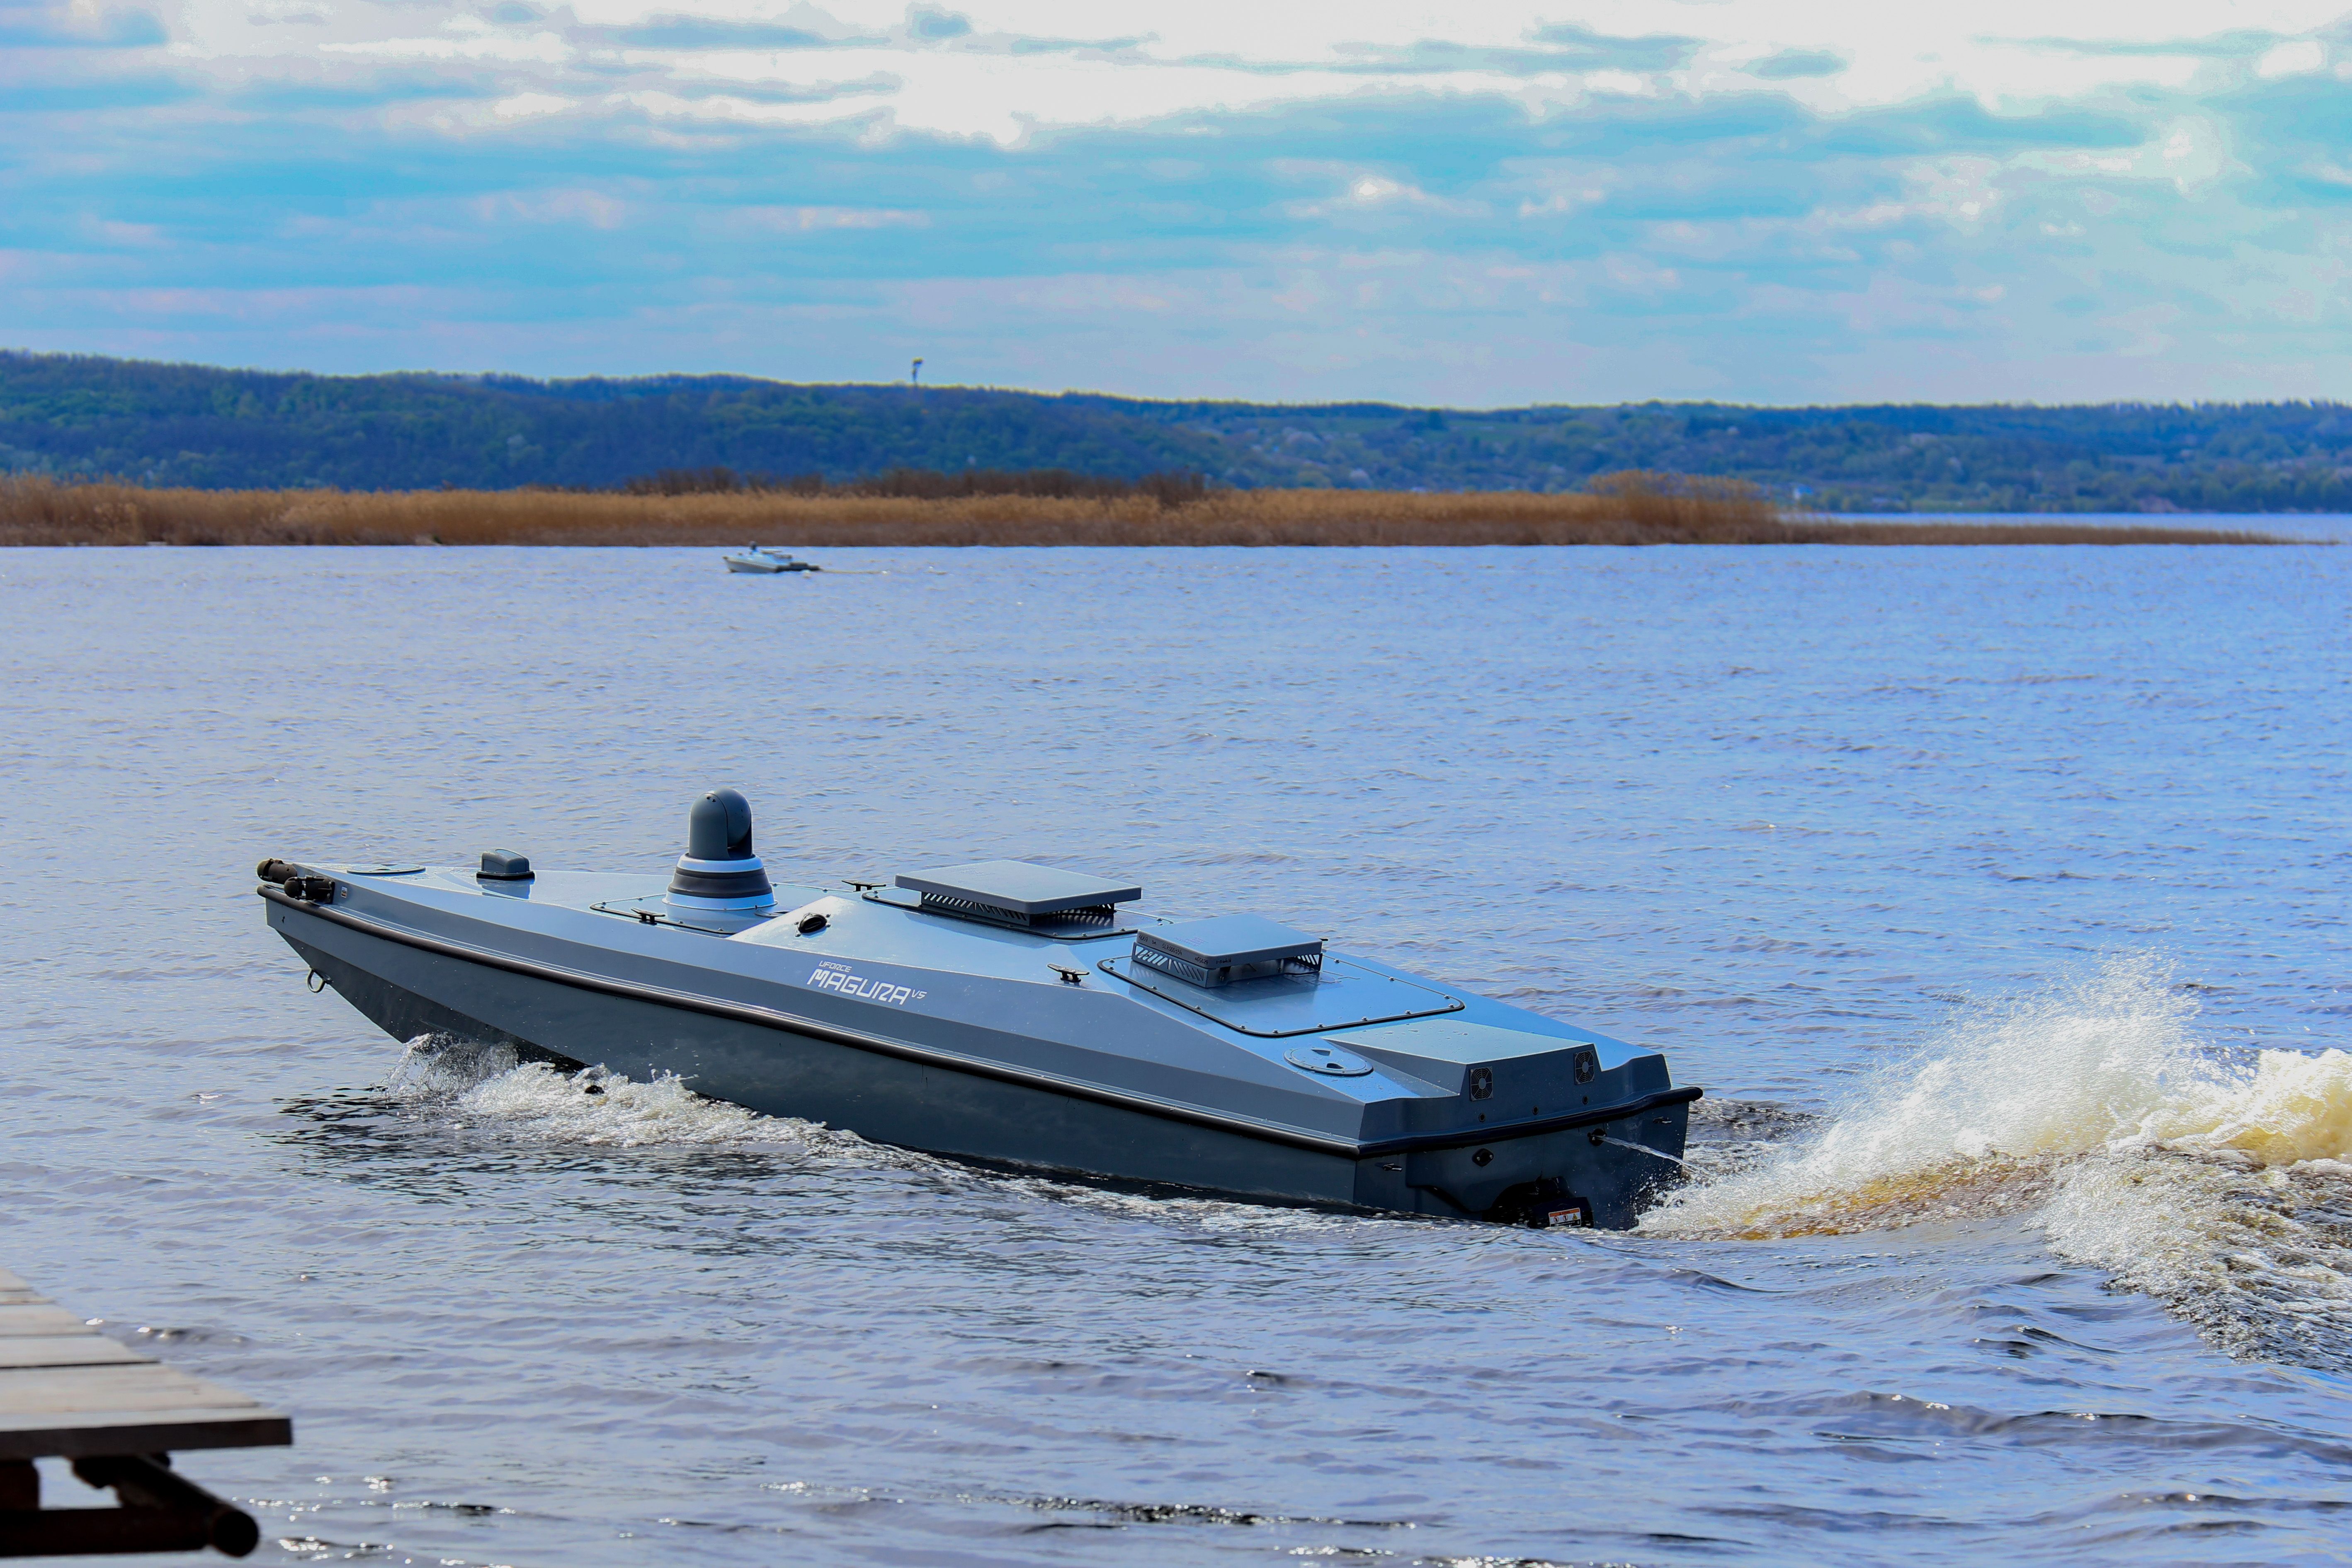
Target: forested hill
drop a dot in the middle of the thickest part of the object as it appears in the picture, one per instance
(190, 425)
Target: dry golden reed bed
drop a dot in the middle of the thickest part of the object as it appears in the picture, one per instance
(1628, 508)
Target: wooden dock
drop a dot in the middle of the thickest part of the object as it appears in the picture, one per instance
(69, 1392)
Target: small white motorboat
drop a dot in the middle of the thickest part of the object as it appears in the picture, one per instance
(765, 558)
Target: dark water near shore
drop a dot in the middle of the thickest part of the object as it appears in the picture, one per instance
(2328, 528)
(1973, 884)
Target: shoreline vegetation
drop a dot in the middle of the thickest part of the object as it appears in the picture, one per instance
(203, 427)
(908, 508)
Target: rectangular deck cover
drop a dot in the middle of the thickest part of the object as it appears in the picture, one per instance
(1447, 1052)
(1452, 1040)
(1230, 939)
(1020, 888)
(1339, 995)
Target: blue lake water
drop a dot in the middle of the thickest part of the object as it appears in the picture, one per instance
(1997, 897)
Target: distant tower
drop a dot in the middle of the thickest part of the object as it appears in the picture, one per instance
(916, 374)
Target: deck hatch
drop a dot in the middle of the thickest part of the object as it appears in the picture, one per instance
(1485, 1063)
(1339, 995)
(1016, 893)
(657, 911)
(1229, 948)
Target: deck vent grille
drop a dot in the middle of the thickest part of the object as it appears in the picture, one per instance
(1228, 949)
(1020, 919)
(1044, 898)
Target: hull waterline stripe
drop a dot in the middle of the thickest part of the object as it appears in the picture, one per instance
(834, 1034)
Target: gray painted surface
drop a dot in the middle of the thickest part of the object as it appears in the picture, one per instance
(1224, 939)
(967, 1040)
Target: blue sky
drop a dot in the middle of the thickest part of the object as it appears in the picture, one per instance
(1751, 200)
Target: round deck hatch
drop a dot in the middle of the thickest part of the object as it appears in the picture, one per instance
(1329, 1060)
(385, 870)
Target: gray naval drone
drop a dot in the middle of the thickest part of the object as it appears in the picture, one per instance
(1013, 1015)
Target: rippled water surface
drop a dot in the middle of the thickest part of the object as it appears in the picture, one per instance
(1996, 896)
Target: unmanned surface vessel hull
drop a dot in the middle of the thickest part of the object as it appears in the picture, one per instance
(959, 1013)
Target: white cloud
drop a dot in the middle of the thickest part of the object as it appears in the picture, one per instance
(592, 207)
(530, 106)
(803, 220)
(467, 44)
(1963, 192)
(2292, 59)
(2192, 154)
(1366, 193)
(1490, 195)
(1225, 57)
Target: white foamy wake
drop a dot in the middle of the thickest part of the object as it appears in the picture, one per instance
(2259, 1257)
(2217, 1183)
(486, 1084)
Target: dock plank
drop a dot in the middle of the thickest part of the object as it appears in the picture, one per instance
(139, 1432)
(140, 1386)
(40, 1318)
(65, 1350)
(69, 1392)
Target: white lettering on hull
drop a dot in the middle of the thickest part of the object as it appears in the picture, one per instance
(838, 978)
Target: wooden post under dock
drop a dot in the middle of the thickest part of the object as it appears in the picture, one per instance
(67, 1391)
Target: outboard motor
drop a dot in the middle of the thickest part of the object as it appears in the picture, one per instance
(718, 870)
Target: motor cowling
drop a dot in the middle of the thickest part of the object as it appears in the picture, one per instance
(719, 870)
